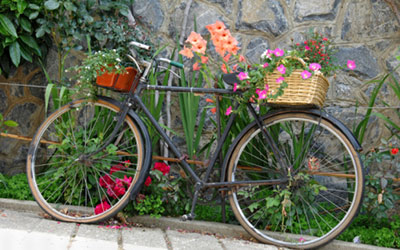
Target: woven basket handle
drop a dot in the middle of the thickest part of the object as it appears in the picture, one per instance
(295, 58)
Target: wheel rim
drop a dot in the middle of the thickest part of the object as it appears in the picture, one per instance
(315, 170)
(100, 183)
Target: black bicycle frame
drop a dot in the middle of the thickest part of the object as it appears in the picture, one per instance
(203, 183)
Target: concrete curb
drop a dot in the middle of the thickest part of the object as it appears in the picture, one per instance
(194, 226)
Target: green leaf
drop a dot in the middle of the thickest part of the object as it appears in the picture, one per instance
(8, 25)
(51, 4)
(31, 42)
(25, 54)
(33, 6)
(15, 53)
(21, 5)
(10, 123)
(25, 24)
(40, 32)
(47, 96)
(70, 6)
(33, 15)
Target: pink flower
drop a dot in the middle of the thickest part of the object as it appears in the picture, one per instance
(262, 94)
(301, 240)
(268, 53)
(266, 87)
(243, 75)
(102, 207)
(279, 52)
(305, 74)
(280, 79)
(228, 110)
(315, 66)
(351, 64)
(307, 48)
(281, 69)
(265, 65)
(127, 180)
(324, 39)
(235, 87)
(162, 167)
(242, 59)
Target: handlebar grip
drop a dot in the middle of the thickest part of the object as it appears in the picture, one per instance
(177, 64)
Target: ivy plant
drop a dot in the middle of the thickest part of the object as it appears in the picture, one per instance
(17, 38)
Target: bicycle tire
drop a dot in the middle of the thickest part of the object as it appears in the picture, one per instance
(72, 188)
(312, 201)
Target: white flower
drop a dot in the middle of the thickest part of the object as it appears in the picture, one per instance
(118, 59)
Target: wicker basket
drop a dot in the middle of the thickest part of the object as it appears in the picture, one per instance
(117, 82)
(300, 92)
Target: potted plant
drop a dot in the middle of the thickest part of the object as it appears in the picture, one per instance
(106, 69)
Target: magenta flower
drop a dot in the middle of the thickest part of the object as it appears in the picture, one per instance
(280, 79)
(281, 69)
(307, 48)
(234, 87)
(243, 75)
(262, 94)
(268, 53)
(305, 74)
(315, 66)
(351, 64)
(279, 52)
(228, 110)
(266, 87)
(265, 65)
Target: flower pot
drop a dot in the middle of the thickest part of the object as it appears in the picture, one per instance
(118, 82)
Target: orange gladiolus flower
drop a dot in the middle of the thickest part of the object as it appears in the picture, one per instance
(204, 59)
(200, 47)
(195, 38)
(209, 100)
(226, 58)
(186, 52)
(213, 110)
(196, 66)
(223, 68)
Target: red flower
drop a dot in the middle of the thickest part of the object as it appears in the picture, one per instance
(102, 207)
(162, 167)
(119, 188)
(324, 39)
(116, 168)
(148, 181)
(106, 181)
(394, 151)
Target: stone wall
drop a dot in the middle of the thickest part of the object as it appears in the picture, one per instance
(367, 31)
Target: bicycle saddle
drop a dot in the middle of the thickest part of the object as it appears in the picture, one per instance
(230, 78)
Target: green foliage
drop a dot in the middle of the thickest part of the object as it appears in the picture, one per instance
(6, 123)
(213, 212)
(15, 187)
(17, 37)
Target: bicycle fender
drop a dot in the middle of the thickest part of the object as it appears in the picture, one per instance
(315, 112)
(338, 124)
(147, 145)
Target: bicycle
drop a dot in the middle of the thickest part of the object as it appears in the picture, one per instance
(293, 177)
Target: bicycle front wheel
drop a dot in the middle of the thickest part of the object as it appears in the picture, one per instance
(306, 196)
(69, 177)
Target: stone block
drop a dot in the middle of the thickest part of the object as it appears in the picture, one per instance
(367, 65)
(316, 10)
(255, 48)
(266, 16)
(149, 12)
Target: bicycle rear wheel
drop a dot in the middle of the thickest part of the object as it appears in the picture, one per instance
(67, 179)
(310, 201)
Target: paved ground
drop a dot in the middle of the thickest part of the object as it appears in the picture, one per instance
(29, 230)
(23, 226)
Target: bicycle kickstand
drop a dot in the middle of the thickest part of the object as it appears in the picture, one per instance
(192, 215)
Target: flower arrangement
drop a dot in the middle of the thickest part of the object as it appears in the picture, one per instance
(313, 56)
